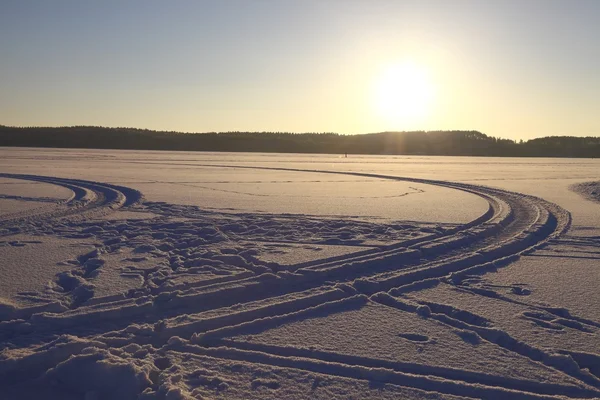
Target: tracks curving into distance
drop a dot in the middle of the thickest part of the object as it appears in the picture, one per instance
(514, 224)
(88, 199)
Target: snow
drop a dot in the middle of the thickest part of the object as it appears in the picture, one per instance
(177, 275)
(20, 196)
(590, 190)
(29, 264)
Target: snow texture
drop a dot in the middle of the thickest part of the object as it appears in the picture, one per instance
(160, 275)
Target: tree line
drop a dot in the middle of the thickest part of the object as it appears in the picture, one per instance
(442, 143)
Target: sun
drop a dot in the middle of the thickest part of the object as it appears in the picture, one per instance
(403, 94)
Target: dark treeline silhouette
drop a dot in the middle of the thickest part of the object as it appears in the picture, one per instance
(447, 143)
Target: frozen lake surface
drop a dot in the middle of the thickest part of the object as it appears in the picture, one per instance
(180, 275)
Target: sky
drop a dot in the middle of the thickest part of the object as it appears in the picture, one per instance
(512, 69)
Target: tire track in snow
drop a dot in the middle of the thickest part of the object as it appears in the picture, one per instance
(87, 199)
(367, 262)
(512, 225)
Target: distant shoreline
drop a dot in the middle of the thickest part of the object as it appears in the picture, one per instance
(414, 143)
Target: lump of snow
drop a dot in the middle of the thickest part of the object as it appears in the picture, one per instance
(68, 281)
(145, 248)
(98, 371)
(468, 336)
(424, 311)
(269, 383)
(92, 264)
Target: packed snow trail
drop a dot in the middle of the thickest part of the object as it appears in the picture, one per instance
(88, 200)
(205, 289)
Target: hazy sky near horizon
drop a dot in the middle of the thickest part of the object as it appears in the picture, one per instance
(508, 68)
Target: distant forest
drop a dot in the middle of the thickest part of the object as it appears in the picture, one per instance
(443, 143)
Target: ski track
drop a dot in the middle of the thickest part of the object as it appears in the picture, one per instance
(204, 279)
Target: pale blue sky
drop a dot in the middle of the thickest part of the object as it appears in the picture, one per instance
(515, 69)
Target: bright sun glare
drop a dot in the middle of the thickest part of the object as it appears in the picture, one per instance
(403, 95)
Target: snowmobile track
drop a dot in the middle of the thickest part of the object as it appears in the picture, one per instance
(514, 224)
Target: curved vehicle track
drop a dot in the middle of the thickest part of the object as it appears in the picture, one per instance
(88, 199)
(514, 224)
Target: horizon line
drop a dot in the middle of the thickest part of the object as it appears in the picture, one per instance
(281, 131)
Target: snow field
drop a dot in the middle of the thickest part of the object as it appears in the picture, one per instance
(155, 297)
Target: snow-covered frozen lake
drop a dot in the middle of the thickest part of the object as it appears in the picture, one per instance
(179, 275)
